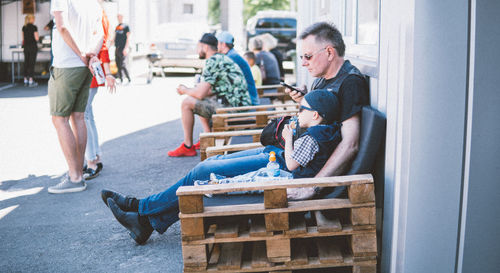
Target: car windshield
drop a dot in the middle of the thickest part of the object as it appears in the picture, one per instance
(276, 23)
(181, 32)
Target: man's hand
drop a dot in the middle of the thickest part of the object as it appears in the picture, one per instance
(181, 89)
(85, 60)
(125, 51)
(91, 59)
(295, 95)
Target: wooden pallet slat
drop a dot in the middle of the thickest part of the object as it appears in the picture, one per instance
(299, 254)
(278, 250)
(191, 204)
(195, 257)
(361, 193)
(297, 225)
(363, 216)
(259, 257)
(364, 244)
(281, 236)
(258, 227)
(192, 228)
(328, 251)
(227, 230)
(230, 256)
(327, 225)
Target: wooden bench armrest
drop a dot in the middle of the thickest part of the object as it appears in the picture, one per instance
(215, 150)
(255, 107)
(231, 133)
(257, 113)
(333, 181)
(271, 86)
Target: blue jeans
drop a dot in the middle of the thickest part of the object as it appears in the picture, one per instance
(93, 150)
(162, 208)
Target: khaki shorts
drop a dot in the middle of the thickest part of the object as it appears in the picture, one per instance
(206, 107)
(68, 90)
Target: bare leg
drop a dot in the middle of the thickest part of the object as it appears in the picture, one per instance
(205, 123)
(80, 132)
(187, 108)
(71, 144)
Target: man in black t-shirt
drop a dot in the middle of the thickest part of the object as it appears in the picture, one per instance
(122, 39)
(323, 55)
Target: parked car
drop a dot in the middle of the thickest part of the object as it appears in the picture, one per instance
(174, 45)
(281, 24)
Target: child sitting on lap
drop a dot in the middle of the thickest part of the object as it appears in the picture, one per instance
(318, 118)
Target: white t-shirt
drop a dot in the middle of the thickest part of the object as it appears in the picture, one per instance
(83, 20)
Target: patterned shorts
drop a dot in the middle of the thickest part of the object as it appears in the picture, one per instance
(207, 107)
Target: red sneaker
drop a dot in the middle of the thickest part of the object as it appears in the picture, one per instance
(182, 151)
(197, 145)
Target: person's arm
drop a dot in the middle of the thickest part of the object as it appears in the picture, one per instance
(338, 162)
(37, 37)
(66, 35)
(200, 91)
(291, 164)
(125, 49)
(346, 151)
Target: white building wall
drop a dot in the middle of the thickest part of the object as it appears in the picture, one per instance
(144, 15)
(441, 160)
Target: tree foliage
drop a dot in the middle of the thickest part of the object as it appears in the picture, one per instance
(214, 12)
(250, 8)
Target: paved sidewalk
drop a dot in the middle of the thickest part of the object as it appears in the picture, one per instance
(40, 232)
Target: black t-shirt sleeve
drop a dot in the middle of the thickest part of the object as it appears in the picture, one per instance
(354, 95)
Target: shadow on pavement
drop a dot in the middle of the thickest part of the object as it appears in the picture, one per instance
(41, 232)
(21, 91)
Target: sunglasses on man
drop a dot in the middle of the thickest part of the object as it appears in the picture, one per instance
(308, 57)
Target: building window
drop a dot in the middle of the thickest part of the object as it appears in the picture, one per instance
(361, 28)
(367, 26)
(188, 8)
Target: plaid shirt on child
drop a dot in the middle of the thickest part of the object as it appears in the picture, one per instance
(304, 149)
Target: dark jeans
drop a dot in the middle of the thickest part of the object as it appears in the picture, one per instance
(29, 62)
(162, 208)
(121, 64)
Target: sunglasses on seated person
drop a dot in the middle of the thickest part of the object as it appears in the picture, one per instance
(302, 108)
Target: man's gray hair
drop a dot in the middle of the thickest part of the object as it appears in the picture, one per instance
(327, 33)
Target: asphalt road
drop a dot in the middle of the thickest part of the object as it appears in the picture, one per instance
(41, 232)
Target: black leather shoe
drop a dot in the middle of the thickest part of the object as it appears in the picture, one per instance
(122, 201)
(130, 220)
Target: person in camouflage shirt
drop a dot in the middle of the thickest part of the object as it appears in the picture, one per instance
(222, 84)
(227, 80)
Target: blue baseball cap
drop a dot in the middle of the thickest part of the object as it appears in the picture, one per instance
(225, 37)
(325, 103)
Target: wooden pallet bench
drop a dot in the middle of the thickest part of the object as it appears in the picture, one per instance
(247, 120)
(278, 235)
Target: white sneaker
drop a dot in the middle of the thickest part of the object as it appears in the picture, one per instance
(66, 186)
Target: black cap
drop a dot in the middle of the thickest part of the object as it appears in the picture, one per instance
(325, 103)
(209, 39)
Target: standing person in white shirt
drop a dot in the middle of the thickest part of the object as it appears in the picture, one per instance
(76, 42)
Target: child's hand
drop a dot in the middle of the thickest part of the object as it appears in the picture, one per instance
(287, 133)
